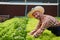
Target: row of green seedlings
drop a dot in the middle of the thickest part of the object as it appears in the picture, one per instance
(14, 30)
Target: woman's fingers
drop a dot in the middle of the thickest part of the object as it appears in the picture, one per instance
(32, 32)
(37, 33)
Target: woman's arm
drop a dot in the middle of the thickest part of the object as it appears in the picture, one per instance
(37, 27)
(43, 26)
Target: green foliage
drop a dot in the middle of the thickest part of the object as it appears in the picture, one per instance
(32, 23)
(19, 29)
(13, 29)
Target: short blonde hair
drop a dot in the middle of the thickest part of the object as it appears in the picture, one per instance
(37, 8)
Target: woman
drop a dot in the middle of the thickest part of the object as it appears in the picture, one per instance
(45, 21)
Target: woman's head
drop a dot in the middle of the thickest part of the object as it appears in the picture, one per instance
(36, 10)
(37, 14)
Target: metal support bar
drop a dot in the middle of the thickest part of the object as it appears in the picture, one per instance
(26, 3)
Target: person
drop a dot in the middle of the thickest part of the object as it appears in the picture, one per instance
(45, 21)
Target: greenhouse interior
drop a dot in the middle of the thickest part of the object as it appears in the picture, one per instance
(29, 20)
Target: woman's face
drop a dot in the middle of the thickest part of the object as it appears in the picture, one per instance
(36, 15)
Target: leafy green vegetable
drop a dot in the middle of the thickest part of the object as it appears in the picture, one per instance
(13, 29)
(19, 29)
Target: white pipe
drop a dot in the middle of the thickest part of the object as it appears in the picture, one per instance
(22, 3)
